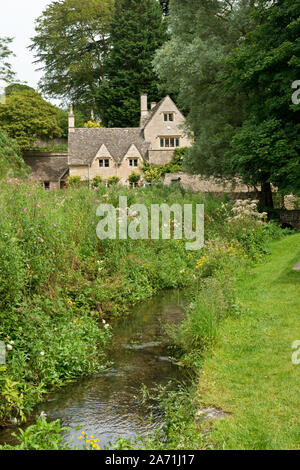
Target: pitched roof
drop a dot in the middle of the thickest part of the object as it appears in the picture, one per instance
(152, 112)
(84, 144)
(47, 168)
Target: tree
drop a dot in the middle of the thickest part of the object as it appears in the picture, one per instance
(137, 31)
(16, 88)
(71, 43)
(6, 72)
(202, 35)
(11, 163)
(266, 148)
(26, 116)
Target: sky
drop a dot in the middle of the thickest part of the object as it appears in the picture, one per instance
(17, 21)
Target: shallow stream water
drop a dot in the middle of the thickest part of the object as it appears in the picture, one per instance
(108, 405)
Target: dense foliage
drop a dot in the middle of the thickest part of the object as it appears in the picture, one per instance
(11, 163)
(267, 146)
(137, 31)
(26, 115)
(202, 36)
(6, 72)
(234, 64)
(71, 44)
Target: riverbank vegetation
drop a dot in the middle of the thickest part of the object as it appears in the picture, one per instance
(59, 282)
(60, 285)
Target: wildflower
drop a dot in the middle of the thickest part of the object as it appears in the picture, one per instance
(80, 437)
(9, 347)
(42, 353)
(106, 326)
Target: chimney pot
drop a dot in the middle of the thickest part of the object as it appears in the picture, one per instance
(144, 109)
(71, 120)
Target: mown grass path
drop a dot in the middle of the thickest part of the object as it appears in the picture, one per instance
(250, 373)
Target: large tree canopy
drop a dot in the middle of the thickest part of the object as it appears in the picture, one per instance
(234, 63)
(137, 31)
(266, 149)
(26, 116)
(202, 35)
(71, 44)
(6, 73)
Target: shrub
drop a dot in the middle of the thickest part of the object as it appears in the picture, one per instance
(114, 180)
(134, 177)
(74, 181)
(97, 180)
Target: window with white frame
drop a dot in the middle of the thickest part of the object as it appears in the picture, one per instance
(169, 142)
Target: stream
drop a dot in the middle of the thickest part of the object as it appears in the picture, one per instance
(108, 405)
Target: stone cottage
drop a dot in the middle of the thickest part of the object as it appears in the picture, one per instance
(50, 169)
(119, 152)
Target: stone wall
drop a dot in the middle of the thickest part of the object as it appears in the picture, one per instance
(161, 157)
(198, 184)
(290, 218)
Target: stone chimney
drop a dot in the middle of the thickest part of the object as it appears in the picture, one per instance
(144, 109)
(153, 104)
(71, 120)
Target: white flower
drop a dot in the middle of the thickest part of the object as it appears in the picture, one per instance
(104, 322)
(42, 353)
(106, 326)
(11, 342)
(43, 415)
(9, 347)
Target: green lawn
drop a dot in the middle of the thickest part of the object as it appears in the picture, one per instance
(250, 372)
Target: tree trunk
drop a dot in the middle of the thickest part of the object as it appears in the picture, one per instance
(266, 197)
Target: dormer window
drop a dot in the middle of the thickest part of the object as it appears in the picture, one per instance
(169, 117)
(133, 162)
(104, 163)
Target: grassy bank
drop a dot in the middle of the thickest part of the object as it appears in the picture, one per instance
(250, 373)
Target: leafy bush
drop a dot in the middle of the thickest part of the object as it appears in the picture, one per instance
(134, 177)
(74, 181)
(113, 180)
(97, 180)
(40, 436)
